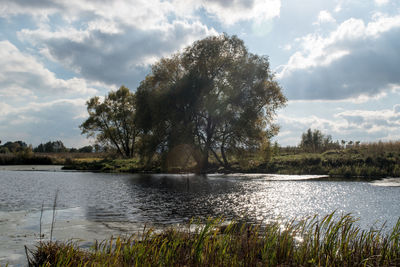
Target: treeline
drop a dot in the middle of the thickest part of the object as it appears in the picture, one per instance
(14, 147)
(314, 141)
(319, 154)
(49, 147)
(58, 147)
(52, 152)
(200, 109)
(339, 163)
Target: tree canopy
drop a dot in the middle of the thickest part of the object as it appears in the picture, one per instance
(215, 97)
(51, 147)
(111, 121)
(316, 141)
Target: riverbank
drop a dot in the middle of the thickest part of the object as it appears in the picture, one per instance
(31, 158)
(335, 163)
(365, 162)
(331, 241)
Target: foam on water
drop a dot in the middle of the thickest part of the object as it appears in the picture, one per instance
(387, 182)
(268, 177)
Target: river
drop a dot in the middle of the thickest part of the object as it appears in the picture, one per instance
(97, 205)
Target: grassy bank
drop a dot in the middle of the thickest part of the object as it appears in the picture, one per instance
(109, 165)
(31, 158)
(343, 163)
(27, 159)
(367, 161)
(311, 242)
(336, 163)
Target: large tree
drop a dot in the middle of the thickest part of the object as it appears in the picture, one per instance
(215, 97)
(111, 121)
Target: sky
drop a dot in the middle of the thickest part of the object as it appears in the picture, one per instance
(338, 61)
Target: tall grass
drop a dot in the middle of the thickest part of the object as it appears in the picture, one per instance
(330, 241)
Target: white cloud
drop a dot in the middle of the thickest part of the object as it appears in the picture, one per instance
(325, 17)
(396, 109)
(373, 121)
(357, 124)
(381, 2)
(22, 75)
(356, 59)
(230, 12)
(144, 13)
(115, 58)
(114, 41)
(38, 122)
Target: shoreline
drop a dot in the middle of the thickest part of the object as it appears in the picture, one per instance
(331, 240)
(94, 167)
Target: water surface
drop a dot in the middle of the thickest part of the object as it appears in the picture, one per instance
(96, 205)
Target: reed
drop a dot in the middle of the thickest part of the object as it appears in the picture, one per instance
(330, 241)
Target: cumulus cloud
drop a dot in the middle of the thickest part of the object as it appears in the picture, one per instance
(324, 17)
(119, 57)
(356, 59)
(32, 100)
(372, 120)
(231, 11)
(38, 122)
(357, 124)
(114, 41)
(141, 12)
(22, 75)
(145, 13)
(381, 2)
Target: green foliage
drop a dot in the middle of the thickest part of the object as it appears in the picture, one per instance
(331, 241)
(107, 165)
(214, 97)
(86, 149)
(316, 141)
(51, 147)
(352, 162)
(13, 147)
(112, 121)
(4, 150)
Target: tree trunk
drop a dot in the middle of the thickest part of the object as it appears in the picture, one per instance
(226, 163)
(204, 162)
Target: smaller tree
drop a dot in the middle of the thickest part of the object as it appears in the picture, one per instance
(4, 150)
(111, 121)
(316, 141)
(86, 149)
(51, 147)
(16, 146)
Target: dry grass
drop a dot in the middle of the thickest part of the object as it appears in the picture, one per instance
(331, 241)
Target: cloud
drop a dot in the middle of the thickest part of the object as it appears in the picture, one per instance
(144, 13)
(324, 17)
(38, 122)
(23, 76)
(230, 12)
(140, 12)
(381, 2)
(115, 41)
(357, 124)
(114, 57)
(372, 120)
(356, 59)
(396, 109)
